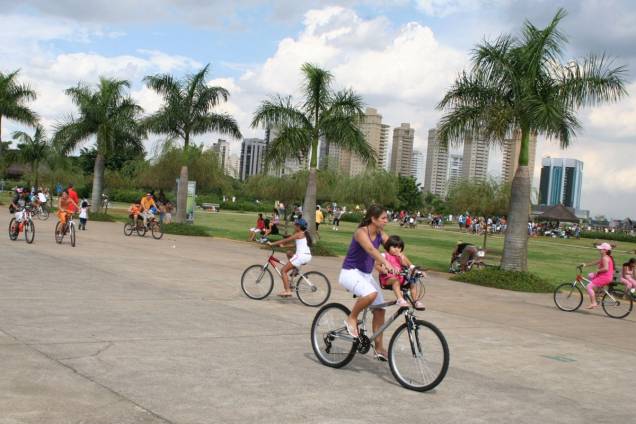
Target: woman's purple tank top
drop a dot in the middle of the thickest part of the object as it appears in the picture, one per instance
(358, 258)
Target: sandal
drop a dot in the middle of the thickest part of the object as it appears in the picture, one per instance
(353, 332)
(380, 356)
(419, 306)
(283, 294)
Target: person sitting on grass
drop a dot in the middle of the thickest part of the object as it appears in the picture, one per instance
(395, 256)
(271, 226)
(134, 212)
(259, 228)
(302, 255)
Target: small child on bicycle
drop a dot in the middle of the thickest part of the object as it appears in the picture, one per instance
(302, 255)
(395, 256)
(135, 211)
(628, 274)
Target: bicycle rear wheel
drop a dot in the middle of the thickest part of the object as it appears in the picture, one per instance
(619, 304)
(71, 230)
(141, 230)
(59, 232)
(568, 297)
(29, 231)
(257, 282)
(331, 342)
(13, 229)
(43, 214)
(313, 288)
(157, 231)
(418, 355)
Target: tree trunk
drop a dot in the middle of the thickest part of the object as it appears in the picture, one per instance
(515, 253)
(98, 181)
(309, 207)
(485, 237)
(182, 195)
(35, 169)
(1, 149)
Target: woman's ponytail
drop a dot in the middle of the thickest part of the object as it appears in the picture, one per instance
(373, 211)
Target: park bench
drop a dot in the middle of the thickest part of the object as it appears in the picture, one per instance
(211, 207)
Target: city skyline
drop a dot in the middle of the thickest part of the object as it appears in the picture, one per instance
(257, 52)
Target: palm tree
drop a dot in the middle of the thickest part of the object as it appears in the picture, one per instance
(522, 84)
(12, 99)
(109, 116)
(187, 111)
(323, 114)
(33, 150)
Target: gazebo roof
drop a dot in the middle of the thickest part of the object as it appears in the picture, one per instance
(558, 213)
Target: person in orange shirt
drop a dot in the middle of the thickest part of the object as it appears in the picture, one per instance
(148, 205)
(72, 194)
(66, 206)
(135, 211)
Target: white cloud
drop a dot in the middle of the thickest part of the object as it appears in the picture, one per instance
(618, 119)
(443, 8)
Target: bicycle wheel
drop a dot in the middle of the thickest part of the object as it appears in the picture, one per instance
(568, 297)
(141, 230)
(71, 230)
(257, 282)
(29, 231)
(128, 229)
(619, 304)
(43, 214)
(59, 232)
(157, 231)
(313, 288)
(418, 355)
(331, 342)
(13, 229)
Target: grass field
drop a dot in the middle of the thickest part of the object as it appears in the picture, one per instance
(552, 259)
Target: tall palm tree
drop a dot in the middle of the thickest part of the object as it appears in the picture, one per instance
(323, 114)
(33, 150)
(187, 111)
(106, 114)
(523, 84)
(13, 97)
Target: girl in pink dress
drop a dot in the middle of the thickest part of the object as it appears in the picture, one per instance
(627, 276)
(394, 255)
(603, 276)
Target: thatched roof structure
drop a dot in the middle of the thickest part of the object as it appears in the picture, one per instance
(558, 213)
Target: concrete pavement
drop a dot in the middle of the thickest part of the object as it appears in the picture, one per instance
(133, 330)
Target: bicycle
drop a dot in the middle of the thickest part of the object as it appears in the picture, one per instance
(474, 262)
(617, 303)
(137, 225)
(312, 288)
(26, 225)
(418, 352)
(41, 212)
(61, 230)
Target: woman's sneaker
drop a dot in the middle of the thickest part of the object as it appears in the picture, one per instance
(402, 302)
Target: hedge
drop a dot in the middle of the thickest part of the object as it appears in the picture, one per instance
(508, 280)
(600, 235)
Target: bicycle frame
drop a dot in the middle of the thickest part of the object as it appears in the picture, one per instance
(584, 282)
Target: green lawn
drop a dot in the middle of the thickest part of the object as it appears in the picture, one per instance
(552, 259)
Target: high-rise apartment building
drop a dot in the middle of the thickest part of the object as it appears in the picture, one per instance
(418, 167)
(475, 162)
(222, 149)
(402, 151)
(234, 166)
(455, 169)
(436, 165)
(252, 156)
(384, 149)
(561, 182)
(511, 149)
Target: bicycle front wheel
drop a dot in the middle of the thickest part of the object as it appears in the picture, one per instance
(618, 303)
(156, 230)
(568, 297)
(257, 282)
(418, 355)
(71, 230)
(331, 342)
(313, 288)
(59, 232)
(29, 231)
(13, 229)
(128, 229)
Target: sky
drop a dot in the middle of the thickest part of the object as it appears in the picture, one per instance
(400, 55)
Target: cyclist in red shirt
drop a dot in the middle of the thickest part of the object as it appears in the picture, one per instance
(74, 197)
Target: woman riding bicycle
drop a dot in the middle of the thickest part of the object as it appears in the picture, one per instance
(357, 267)
(65, 208)
(302, 256)
(604, 275)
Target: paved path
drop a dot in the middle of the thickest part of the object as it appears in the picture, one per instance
(133, 330)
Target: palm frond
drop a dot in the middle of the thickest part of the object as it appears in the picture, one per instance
(345, 132)
(218, 122)
(542, 47)
(316, 89)
(279, 112)
(290, 142)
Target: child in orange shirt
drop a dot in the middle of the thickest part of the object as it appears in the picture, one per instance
(135, 210)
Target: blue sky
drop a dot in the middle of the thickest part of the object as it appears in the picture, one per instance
(399, 54)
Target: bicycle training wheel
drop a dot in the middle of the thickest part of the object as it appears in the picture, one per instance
(257, 282)
(419, 356)
(29, 231)
(568, 297)
(331, 342)
(71, 230)
(128, 229)
(156, 230)
(13, 229)
(619, 304)
(313, 288)
(59, 233)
